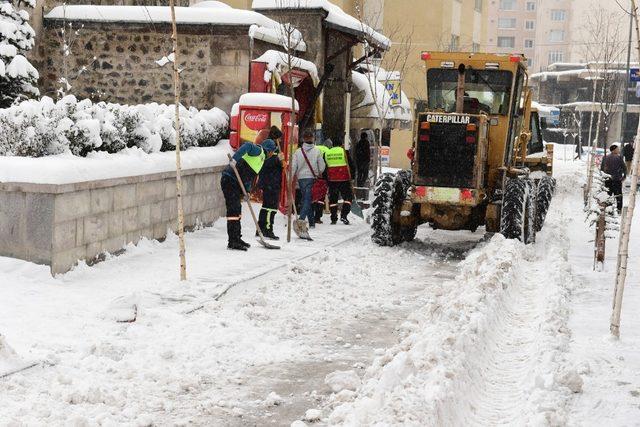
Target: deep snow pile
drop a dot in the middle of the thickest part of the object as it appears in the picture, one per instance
(488, 348)
(39, 128)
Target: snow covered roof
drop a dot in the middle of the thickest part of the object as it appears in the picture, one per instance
(211, 12)
(583, 73)
(366, 108)
(273, 100)
(588, 106)
(279, 35)
(335, 17)
(277, 62)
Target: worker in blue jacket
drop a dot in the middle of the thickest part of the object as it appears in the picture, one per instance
(248, 160)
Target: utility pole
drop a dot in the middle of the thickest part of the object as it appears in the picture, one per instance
(626, 84)
(625, 230)
(176, 88)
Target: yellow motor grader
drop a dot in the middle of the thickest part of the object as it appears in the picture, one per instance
(478, 158)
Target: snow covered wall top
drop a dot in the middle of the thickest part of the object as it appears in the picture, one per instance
(161, 14)
(336, 16)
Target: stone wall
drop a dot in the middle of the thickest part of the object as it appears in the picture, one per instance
(58, 225)
(121, 68)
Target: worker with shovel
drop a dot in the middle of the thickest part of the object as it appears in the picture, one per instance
(247, 162)
(339, 174)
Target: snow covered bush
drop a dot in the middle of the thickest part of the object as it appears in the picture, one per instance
(39, 128)
(18, 78)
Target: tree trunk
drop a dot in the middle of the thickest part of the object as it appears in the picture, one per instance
(290, 147)
(176, 88)
(625, 230)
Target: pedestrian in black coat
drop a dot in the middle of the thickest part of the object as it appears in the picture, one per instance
(363, 159)
(613, 165)
(627, 152)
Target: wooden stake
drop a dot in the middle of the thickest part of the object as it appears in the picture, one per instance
(176, 88)
(625, 230)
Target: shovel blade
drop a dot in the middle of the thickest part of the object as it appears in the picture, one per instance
(267, 245)
(356, 209)
(301, 230)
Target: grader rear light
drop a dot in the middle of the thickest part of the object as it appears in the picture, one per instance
(425, 125)
(424, 137)
(515, 58)
(425, 56)
(472, 127)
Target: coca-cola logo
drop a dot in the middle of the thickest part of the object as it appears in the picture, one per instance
(256, 120)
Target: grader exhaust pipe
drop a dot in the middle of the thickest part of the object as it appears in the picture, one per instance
(460, 89)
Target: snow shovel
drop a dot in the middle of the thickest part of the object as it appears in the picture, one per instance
(299, 225)
(355, 206)
(253, 215)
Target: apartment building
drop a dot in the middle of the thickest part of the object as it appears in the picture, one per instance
(541, 29)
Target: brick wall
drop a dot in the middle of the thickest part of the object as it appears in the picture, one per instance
(58, 225)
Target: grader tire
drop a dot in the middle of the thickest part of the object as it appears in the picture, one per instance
(544, 193)
(389, 193)
(517, 217)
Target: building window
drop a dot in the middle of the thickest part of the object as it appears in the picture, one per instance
(475, 47)
(507, 4)
(556, 57)
(529, 25)
(507, 42)
(507, 23)
(556, 35)
(558, 15)
(478, 5)
(455, 43)
(531, 6)
(528, 44)
(529, 62)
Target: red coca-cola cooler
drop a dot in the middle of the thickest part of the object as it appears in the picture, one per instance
(252, 117)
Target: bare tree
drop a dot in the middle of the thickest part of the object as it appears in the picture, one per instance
(625, 231)
(603, 48)
(395, 60)
(176, 87)
(292, 41)
(68, 36)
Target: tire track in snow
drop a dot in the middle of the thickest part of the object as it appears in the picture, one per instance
(501, 371)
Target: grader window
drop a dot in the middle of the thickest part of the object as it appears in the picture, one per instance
(485, 90)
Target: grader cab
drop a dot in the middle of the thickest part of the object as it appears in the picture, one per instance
(476, 146)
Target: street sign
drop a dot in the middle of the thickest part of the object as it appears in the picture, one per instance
(393, 88)
(634, 74)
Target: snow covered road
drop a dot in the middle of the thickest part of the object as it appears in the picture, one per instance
(453, 329)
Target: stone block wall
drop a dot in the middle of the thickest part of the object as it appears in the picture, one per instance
(121, 68)
(58, 225)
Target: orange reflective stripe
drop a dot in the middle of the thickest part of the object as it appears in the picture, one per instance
(335, 204)
(233, 218)
(347, 203)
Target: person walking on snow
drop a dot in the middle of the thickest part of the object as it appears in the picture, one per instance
(248, 160)
(613, 165)
(627, 153)
(339, 175)
(270, 182)
(307, 166)
(363, 159)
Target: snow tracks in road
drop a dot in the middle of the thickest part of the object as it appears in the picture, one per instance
(489, 348)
